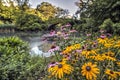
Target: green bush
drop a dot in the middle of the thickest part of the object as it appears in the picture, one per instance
(16, 63)
(107, 25)
(7, 26)
(1, 22)
(28, 22)
(116, 28)
(110, 26)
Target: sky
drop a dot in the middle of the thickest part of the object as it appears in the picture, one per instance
(65, 4)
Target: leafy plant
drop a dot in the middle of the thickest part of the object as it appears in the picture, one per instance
(28, 22)
(16, 63)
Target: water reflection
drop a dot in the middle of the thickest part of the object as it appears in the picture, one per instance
(37, 46)
(37, 51)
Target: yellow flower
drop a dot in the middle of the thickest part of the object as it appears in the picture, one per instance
(111, 54)
(60, 69)
(67, 50)
(74, 61)
(108, 45)
(112, 74)
(71, 48)
(118, 63)
(102, 40)
(90, 71)
(76, 46)
(117, 45)
(97, 57)
(88, 52)
(107, 57)
(63, 61)
(76, 56)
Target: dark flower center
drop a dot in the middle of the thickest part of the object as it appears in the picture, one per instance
(68, 55)
(102, 38)
(111, 55)
(94, 45)
(106, 54)
(52, 47)
(83, 47)
(111, 72)
(88, 68)
(65, 57)
(52, 62)
(88, 49)
(73, 61)
(60, 61)
(60, 65)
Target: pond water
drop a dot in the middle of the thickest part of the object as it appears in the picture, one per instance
(36, 44)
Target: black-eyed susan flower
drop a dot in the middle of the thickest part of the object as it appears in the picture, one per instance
(71, 48)
(107, 57)
(97, 57)
(60, 69)
(68, 49)
(102, 40)
(109, 43)
(76, 46)
(73, 61)
(111, 54)
(118, 63)
(51, 65)
(90, 71)
(63, 61)
(117, 44)
(89, 52)
(111, 74)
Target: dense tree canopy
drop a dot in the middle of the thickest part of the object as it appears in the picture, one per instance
(47, 10)
(94, 12)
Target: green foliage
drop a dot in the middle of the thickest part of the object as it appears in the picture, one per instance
(110, 26)
(29, 22)
(107, 25)
(7, 14)
(1, 22)
(7, 26)
(47, 10)
(95, 13)
(101, 10)
(116, 28)
(16, 63)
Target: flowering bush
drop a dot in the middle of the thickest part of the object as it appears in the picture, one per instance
(93, 58)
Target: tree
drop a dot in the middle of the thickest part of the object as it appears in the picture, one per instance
(33, 22)
(47, 10)
(23, 4)
(96, 12)
(8, 12)
(101, 10)
(83, 5)
(62, 12)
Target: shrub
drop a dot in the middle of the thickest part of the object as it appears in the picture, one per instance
(28, 22)
(16, 63)
(110, 26)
